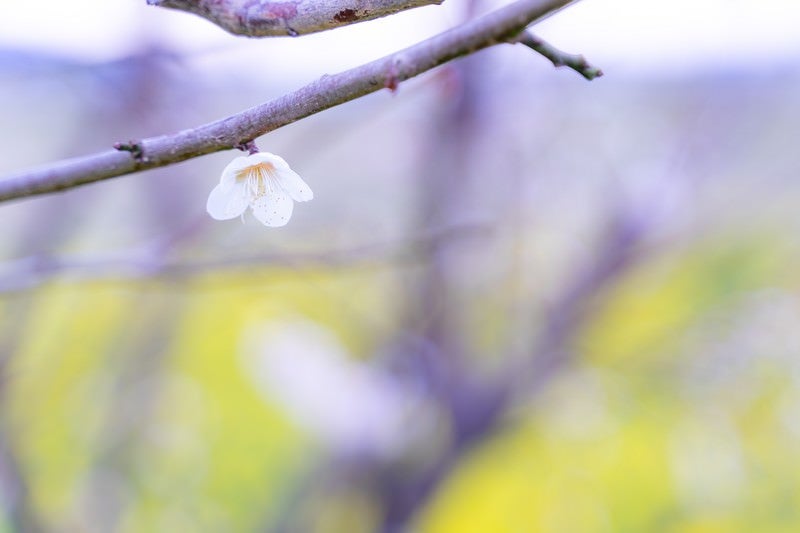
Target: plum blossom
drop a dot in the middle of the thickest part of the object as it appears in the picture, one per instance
(262, 181)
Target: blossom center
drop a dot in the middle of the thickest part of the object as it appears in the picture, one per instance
(260, 179)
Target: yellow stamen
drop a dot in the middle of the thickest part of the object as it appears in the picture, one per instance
(259, 178)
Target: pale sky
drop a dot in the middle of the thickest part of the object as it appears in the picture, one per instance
(638, 35)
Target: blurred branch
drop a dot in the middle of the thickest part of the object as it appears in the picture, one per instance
(500, 26)
(293, 17)
(576, 62)
(15, 495)
(153, 261)
(16, 500)
(568, 314)
(482, 408)
(140, 380)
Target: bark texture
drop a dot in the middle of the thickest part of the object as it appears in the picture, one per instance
(501, 26)
(260, 18)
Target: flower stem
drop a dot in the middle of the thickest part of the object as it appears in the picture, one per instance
(249, 147)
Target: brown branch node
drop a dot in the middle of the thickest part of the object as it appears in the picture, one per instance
(134, 147)
(249, 147)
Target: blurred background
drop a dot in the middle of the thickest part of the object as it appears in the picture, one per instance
(520, 301)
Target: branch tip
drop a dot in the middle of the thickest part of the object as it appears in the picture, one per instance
(576, 62)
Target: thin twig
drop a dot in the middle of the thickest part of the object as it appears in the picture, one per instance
(155, 262)
(576, 62)
(293, 18)
(329, 91)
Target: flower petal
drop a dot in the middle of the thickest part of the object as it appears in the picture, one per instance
(266, 157)
(240, 163)
(273, 210)
(227, 201)
(293, 184)
(288, 179)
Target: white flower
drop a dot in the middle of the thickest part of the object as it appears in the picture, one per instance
(262, 181)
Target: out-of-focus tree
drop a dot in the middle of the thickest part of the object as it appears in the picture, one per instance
(514, 305)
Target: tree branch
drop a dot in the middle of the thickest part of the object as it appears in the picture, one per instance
(490, 404)
(497, 27)
(155, 261)
(576, 62)
(256, 18)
